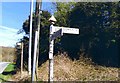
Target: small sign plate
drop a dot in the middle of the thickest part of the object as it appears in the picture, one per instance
(56, 34)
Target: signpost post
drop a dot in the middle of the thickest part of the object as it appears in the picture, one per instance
(56, 32)
(51, 55)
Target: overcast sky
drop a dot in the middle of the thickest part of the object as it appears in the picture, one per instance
(12, 16)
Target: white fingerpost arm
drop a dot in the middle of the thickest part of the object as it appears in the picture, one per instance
(67, 30)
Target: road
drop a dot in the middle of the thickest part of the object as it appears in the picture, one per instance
(3, 65)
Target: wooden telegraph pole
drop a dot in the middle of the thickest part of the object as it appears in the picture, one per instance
(37, 35)
(38, 13)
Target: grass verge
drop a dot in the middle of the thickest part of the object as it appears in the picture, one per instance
(8, 72)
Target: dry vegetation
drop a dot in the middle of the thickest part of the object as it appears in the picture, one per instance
(21, 77)
(78, 70)
(66, 69)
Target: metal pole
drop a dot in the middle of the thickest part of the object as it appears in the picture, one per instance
(30, 38)
(34, 58)
(51, 55)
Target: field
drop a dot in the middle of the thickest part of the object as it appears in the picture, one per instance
(7, 54)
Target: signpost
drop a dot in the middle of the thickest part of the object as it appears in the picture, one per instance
(56, 32)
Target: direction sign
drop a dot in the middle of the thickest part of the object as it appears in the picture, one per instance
(67, 30)
(56, 34)
(70, 30)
